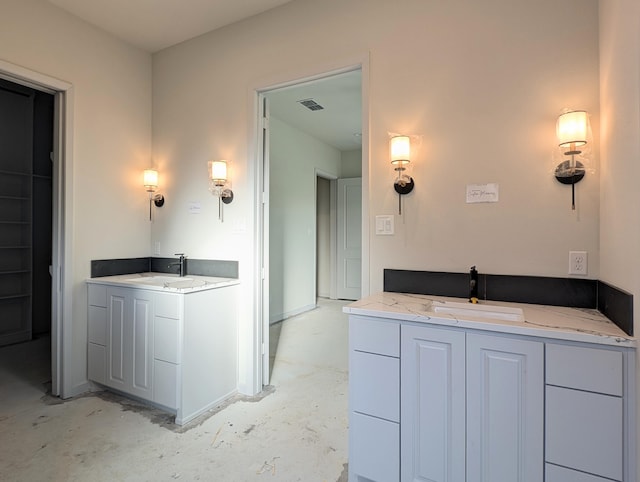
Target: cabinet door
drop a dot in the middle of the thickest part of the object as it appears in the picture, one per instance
(505, 409)
(130, 341)
(432, 404)
(142, 344)
(118, 337)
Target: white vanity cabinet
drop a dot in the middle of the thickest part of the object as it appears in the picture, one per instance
(472, 406)
(176, 350)
(479, 403)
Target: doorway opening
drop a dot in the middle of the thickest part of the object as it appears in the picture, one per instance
(47, 280)
(312, 138)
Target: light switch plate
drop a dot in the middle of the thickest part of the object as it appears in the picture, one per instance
(384, 225)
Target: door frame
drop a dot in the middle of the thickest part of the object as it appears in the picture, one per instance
(332, 232)
(258, 358)
(61, 247)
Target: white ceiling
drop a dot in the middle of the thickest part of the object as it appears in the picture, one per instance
(156, 24)
(153, 25)
(339, 124)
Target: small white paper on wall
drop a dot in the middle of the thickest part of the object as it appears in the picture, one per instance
(482, 193)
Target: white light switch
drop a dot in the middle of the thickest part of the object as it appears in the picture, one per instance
(384, 225)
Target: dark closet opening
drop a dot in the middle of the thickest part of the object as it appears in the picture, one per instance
(26, 145)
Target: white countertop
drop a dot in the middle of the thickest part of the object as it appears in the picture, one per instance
(165, 282)
(557, 322)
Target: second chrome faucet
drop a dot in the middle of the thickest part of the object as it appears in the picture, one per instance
(181, 263)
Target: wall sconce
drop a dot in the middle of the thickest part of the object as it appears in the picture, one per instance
(573, 133)
(400, 147)
(219, 184)
(150, 182)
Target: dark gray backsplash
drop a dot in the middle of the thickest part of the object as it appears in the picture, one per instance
(197, 267)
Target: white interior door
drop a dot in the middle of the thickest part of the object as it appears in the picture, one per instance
(349, 245)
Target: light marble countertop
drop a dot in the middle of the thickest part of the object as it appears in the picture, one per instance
(556, 322)
(165, 282)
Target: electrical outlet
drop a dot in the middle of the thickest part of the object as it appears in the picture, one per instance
(156, 248)
(578, 262)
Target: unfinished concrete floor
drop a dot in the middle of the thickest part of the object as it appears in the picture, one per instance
(296, 432)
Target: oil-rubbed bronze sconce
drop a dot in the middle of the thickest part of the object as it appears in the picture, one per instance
(574, 133)
(150, 182)
(400, 147)
(219, 184)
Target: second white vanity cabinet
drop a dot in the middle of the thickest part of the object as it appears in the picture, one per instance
(176, 350)
(488, 400)
(472, 406)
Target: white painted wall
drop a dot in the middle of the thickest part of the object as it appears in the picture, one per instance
(481, 82)
(620, 152)
(351, 163)
(111, 140)
(294, 159)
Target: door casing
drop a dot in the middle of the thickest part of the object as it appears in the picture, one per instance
(255, 381)
(62, 383)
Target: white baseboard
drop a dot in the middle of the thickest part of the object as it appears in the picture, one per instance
(283, 316)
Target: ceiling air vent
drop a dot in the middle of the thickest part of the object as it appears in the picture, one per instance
(310, 104)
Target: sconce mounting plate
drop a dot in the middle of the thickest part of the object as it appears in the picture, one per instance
(158, 200)
(404, 187)
(564, 174)
(227, 196)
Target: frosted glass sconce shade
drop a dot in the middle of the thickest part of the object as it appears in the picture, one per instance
(572, 129)
(218, 172)
(150, 179)
(400, 150)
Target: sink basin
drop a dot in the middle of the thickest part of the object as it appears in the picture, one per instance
(159, 280)
(480, 310)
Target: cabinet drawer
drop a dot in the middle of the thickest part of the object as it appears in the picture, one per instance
(168, 305)
(583, 431)
(553, 473)
(97, 295)
(374, 451)
(374, 336)
(166, 340)
(584, 368)
(375, 385)
(97, 328)
(97, 363)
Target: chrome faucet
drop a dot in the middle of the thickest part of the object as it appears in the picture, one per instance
(180, 263)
